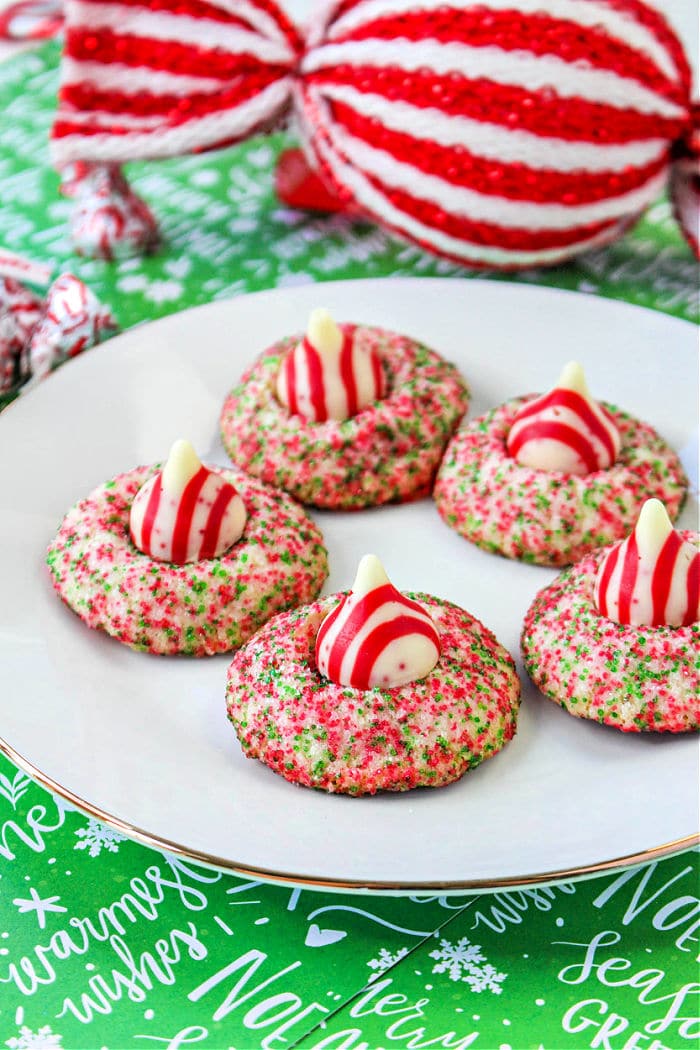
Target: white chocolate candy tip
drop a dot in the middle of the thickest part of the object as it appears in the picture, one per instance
(182, 465)
(323, 333)
(370, 574)
(653, 524)
(573, 378)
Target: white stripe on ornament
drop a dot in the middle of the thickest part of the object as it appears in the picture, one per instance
(515, 68)
(166, 142)
(180, 29)
(259, 19)
(105, 119)
(130, 81)
(493, 140)
(378, 204)
(588, 15)
(484, 207)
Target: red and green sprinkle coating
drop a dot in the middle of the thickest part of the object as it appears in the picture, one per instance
(204, 607)
(638, 679)
(357, 742)
(549, 517)
(388, 452)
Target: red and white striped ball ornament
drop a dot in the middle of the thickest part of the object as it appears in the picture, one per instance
(376, 637)
(186, 512)
(500, 134)
(565, 430)
(332, 373)
(652, 578)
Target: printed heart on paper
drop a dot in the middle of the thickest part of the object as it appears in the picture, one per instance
(318, 938)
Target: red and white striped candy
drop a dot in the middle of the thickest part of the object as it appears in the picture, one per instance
(20, 310)
(186, 512)
(144, 80)
(565, 430)
(376, 637)
(652, 578)
(73, 320)
(332, 373)
(109, 220)
(504, 133)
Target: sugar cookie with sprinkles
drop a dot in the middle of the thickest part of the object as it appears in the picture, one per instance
(548, 479)
(346, 416)
(185, 559)
(615, 638)
(373, 690)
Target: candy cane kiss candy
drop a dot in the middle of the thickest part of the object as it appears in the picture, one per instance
(565, 430)
(651, 578)
(186, 512)
(376, 637)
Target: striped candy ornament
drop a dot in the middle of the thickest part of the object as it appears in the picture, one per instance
(332, 373)
(500, 133)
(186, 512)
(565, 430)
(376, 637)
(652, 578)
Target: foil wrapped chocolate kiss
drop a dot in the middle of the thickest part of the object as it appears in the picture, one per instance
(499, 136)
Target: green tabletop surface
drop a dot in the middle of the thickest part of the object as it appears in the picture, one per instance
(107, 943)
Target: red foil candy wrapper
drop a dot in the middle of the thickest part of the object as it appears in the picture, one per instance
(73, 320)
(499, 135)
(20, 310)
(109, 220)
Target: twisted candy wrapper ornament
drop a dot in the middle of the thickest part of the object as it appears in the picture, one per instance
(38, 335)
(502, 133)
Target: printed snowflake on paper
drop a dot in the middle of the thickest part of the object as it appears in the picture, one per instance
(385, 960)
(461, 962)
(97, 837)
(35, 903)
(44, 1039)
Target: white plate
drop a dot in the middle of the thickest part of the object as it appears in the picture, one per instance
(144, 742)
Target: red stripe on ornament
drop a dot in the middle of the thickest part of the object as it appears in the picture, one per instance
(481, 232)
(201, 9)
(347, 370)
(175, 109)
(197, 9)
(662, 577)
(317, 393)
(628, 578)
(185, 513)
(658, 26)
(538, 34)
(106, 46)
(575, 402)
(224, 498)
(362, 611)
(692, 591)
(149, 516)
(605, 576)
(487, 175)
(546, 430)
(376, 642)
(541, 112)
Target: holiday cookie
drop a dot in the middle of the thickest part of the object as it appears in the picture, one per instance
(373, 690)
(547, 479)
(615, 637)
(346, 416)
(187, 559)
